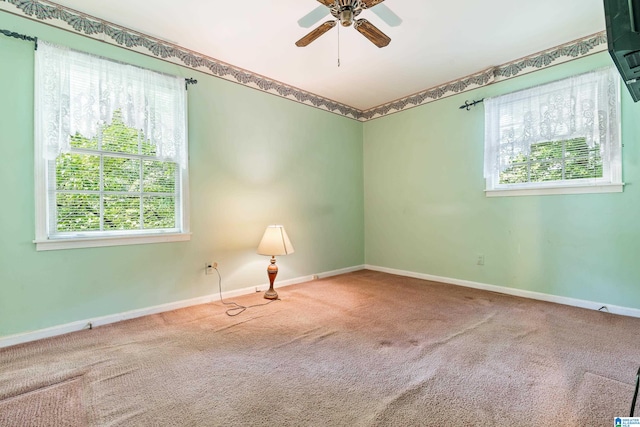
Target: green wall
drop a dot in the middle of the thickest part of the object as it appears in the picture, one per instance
(426, 212)
(255, 159)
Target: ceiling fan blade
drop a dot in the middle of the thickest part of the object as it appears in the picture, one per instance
(387, 15)
(371, 32)
(328, 3)
(369, 3)
(314, 16)
(314, 34)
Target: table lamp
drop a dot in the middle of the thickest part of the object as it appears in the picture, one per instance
(274, 242)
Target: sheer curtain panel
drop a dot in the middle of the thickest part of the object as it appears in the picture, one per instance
(78, 93)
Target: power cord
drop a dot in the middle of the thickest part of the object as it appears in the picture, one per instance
(237, 307)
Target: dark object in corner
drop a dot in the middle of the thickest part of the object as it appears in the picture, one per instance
(623, 38)
(635, 394)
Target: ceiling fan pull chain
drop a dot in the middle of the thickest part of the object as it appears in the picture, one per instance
(338, 46)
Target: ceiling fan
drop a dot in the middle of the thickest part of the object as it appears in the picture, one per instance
(346, 11)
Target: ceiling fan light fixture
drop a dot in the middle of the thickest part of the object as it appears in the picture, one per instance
(346, 17)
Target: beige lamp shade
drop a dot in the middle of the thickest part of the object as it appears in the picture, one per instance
(275, 242)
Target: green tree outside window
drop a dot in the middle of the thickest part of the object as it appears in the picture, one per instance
(114, 182)
(555, 161)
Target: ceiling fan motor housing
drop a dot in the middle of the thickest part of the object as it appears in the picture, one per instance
(346, 10)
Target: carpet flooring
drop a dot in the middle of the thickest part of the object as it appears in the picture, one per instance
(361, 349)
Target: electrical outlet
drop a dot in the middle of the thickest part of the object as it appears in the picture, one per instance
(480, 260)
(209, 266)
(315, 277)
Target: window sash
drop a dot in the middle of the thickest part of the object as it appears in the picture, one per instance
(564, 160)
(53, 192)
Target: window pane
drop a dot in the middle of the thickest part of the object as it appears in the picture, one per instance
(578, 148)
(547, 171)
(546, 151)
(595, 163)
(78, 172)
(148, 149)
(515, 174)
(121, 174)
(159, 177)
(583, 168)
(159, 212)
(77, 212)
(119, 138)
(79, 141)
(121, 212)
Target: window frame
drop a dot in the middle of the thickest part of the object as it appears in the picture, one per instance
(610, 182)
(45, 240)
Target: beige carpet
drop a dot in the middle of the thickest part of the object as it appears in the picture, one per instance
(362, 349)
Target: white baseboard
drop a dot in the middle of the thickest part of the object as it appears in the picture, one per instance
(112, 318)
(104, 320)
(591, 305)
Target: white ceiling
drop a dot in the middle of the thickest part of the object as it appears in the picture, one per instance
(438, 41)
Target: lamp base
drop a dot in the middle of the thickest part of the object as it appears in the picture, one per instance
(271, 294)
(272, 271)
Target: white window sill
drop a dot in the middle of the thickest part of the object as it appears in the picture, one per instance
(95, 242)
(543, 191)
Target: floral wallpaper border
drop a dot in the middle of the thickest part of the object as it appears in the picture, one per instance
(564, 53)
(63, 17)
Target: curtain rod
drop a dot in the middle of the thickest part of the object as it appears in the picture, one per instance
(187, 81)
(467, 105)
(20, 36)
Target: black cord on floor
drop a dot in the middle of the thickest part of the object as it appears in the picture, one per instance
(237, 307)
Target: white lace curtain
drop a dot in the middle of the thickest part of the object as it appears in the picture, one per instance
(79, 92)
(583, 106)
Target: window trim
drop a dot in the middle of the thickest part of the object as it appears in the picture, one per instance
(94, 242)
(556, 188)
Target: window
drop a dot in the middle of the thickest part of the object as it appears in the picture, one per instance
(111, 163)
(558, 138)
